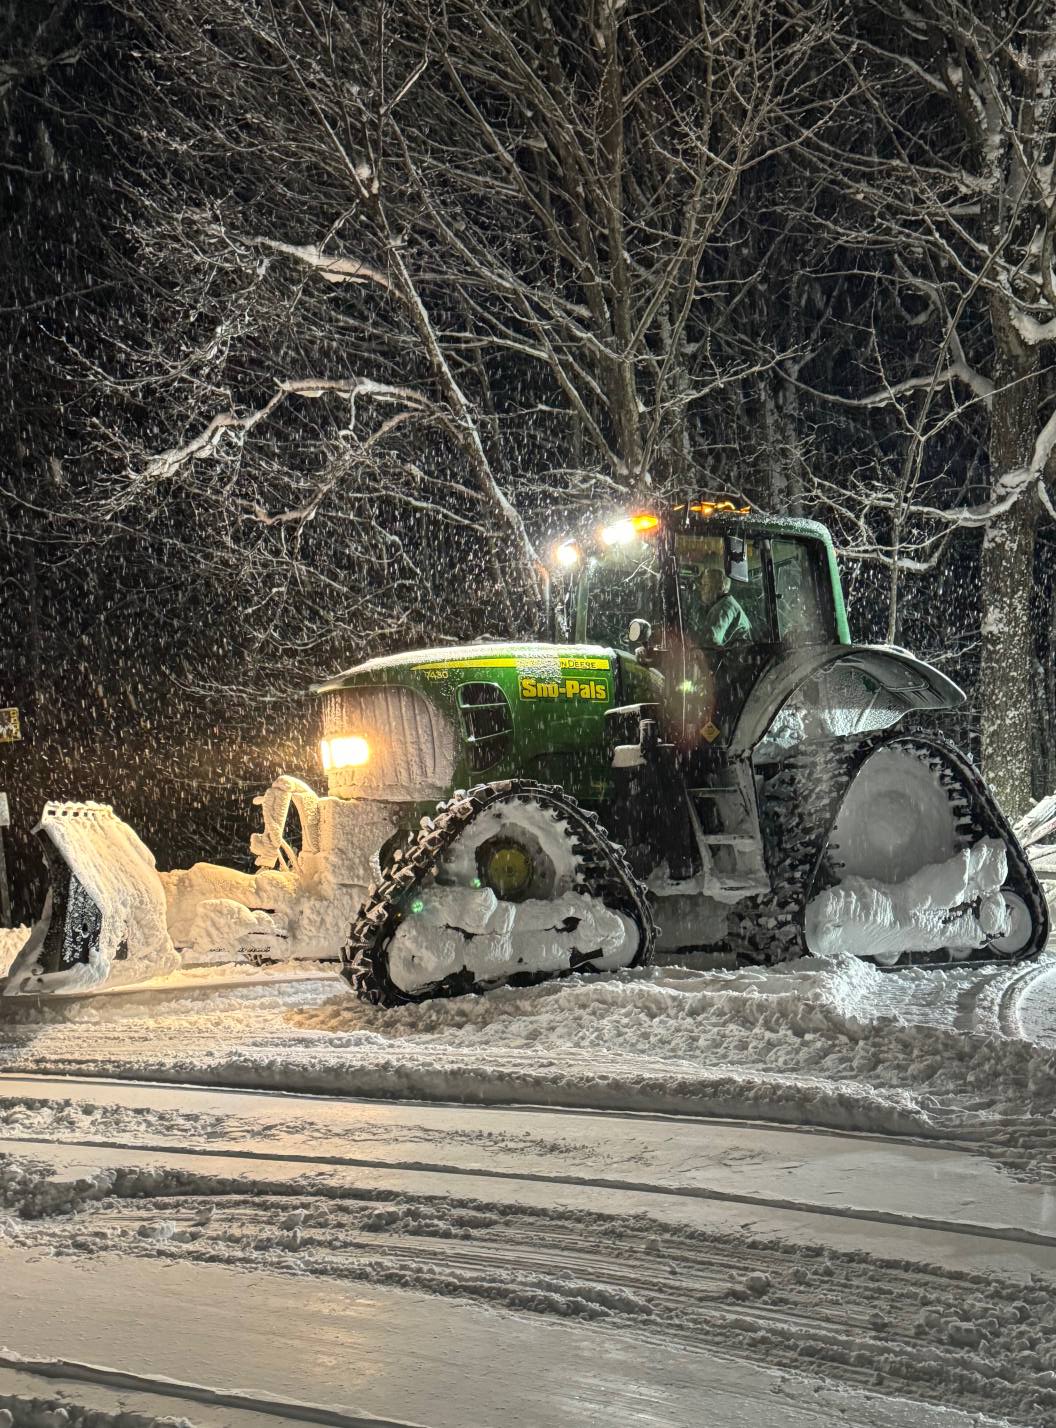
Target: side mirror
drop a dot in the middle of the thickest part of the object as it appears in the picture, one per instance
(639, 632)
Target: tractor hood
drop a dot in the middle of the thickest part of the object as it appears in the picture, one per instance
(527, 658)
(413, 726)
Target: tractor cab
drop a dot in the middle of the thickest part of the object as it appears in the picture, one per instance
(737, 621)
(709, 596)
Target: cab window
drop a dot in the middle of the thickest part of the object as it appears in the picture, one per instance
(622, 586)
(805, 613)
(715, 610)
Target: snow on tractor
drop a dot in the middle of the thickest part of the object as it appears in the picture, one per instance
(700, 699)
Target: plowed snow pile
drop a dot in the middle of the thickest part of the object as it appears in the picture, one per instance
(11, 940)
(829, 1042)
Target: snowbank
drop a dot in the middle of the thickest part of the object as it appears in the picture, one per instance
(828, 1042)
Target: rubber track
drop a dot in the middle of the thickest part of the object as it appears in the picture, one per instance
(799, 809)
(604, 873)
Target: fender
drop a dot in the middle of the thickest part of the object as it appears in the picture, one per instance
(850, 689)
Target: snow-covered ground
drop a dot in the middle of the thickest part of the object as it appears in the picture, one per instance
(966, 1055)
(668, 1232)
(356, 1262)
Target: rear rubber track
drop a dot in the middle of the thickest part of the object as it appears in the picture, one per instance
(800, 804)
(604, 874)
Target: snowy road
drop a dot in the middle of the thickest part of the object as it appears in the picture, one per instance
(753, 1167)
(804, 1195)
(620, 1269)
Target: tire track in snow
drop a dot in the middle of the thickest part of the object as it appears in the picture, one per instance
(1034, 981)
(956, 1337)
(286, 1410)
(157, 996)
(1016, 1234)
(107, 1085)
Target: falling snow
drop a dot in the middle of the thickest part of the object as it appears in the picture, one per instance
(322, 328)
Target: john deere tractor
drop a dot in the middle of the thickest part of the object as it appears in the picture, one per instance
(701, 699)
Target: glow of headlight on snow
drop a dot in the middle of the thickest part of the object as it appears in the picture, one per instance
(566, 553)
(345, 752)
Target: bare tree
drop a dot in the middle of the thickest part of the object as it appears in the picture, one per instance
(434, 264)
(942, 168)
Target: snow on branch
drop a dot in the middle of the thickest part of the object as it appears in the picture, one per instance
(1033, 332)
(1009, 488)
(206, 443)
(330, 266)
(957, 371)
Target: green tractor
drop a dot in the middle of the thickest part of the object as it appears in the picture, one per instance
(700, 701)
(703, 702)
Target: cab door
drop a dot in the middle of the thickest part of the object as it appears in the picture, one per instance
(706, 685)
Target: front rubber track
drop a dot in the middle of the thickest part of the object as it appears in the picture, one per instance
(606, 875)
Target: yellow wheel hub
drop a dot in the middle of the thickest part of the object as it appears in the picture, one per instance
(509, 871)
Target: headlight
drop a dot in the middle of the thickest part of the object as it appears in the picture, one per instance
(567, 554)
(620, 532)
(344, 752)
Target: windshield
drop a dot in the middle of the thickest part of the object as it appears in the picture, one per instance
(722, 591)
(623, 585)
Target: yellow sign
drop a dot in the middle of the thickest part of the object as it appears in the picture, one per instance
(482, 662)
(567, 688)
(582, 662)
(711, 731)
(10, 728)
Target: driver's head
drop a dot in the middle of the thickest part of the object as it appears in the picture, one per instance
(714, 582)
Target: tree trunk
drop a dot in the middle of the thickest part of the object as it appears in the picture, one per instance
(1047, 779)
(782, 423)
(1007, 580)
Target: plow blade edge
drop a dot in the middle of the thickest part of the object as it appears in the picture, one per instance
(104, 917)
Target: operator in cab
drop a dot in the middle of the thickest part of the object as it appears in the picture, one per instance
(723, 621)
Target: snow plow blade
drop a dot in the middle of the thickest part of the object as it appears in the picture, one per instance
(104, 915)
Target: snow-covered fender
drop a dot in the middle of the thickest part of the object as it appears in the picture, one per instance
(836, 690)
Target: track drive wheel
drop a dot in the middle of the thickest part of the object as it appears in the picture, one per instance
(509, 883)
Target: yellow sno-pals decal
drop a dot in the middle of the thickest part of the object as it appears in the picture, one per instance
(566, 688)
(491, 662)
(441, 667)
